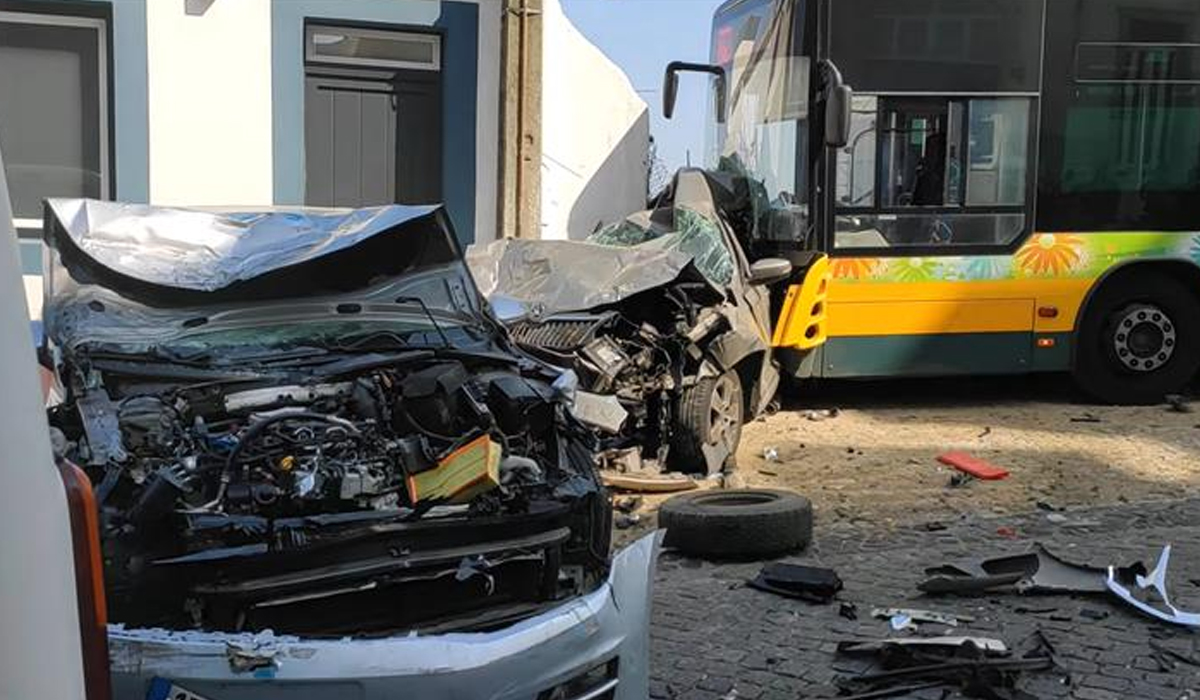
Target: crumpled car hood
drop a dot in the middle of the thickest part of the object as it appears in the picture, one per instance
(555, 277)
(206, 251)
(114, 268)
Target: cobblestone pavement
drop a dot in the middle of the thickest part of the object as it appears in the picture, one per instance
(714, 638)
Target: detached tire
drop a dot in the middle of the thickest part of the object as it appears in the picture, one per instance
(1139, 341)
(746, 523)
(709, 415)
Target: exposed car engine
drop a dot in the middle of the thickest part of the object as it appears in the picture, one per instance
(234, 490)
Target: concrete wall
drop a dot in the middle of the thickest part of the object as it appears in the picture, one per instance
(210, 102)
(595, 135)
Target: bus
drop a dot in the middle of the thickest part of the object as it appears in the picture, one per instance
(971, 187)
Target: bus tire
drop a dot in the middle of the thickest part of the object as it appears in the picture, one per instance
(1139, 340)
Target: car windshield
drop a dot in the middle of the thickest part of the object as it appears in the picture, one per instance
(684, 230)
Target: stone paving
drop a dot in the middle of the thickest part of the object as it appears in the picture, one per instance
(714, 638)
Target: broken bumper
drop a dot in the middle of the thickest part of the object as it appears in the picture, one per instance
(584, 648)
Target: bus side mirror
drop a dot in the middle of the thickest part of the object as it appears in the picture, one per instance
(671, 85)
(670, 92)
(837, 116)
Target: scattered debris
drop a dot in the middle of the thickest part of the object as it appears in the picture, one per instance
(977, 666)
(935, 526)
(1177, 403)
(933, 616)
(1091, 614)
(900, 622)
(1040, 571)
(624, 521)
(810, 583)
(987, 430)
(1007, 532)
(822, 414)
(767, 472)
(648, 483)
(1043, 505)
(959, 479)
(771, 454)
(848, 610)
(627, 504)
(974, 466)
(1086, 418)
(1133, 587)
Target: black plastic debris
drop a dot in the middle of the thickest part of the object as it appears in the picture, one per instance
(810, 583)
(848, 611)
(1032, 572)
(978, 667)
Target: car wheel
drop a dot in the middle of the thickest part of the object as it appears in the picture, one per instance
(745, 523)
(1139, 341)
(708, 425)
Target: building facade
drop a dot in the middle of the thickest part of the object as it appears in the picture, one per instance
(301, 102)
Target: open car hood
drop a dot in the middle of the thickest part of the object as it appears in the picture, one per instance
(554, 277)
(117, 268)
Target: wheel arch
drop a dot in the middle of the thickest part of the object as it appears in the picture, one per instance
(1183, 270)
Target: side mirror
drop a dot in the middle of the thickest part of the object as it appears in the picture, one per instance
(671, 85)
(769, 270)
(837, 116)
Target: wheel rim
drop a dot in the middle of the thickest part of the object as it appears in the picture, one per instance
(1143, 338)
(724, 413)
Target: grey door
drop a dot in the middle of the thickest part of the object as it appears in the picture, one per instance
(372, 141)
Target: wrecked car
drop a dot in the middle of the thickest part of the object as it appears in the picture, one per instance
(320, 463)
(661, 316)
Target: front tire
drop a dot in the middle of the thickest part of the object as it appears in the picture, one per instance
(1139, 341)
(708, 425)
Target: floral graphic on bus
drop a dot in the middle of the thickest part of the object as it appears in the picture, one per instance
(1194, 249)
(1051, 254)
(913, 270)
(983, 268)
(853, 268)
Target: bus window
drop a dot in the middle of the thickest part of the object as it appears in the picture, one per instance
(765, 135)
(934, 171)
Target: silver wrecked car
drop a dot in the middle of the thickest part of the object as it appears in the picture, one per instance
(323, 470)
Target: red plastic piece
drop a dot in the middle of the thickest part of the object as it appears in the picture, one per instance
(973, 466)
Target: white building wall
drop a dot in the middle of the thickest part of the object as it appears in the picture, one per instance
(209, 90)
(595, 134)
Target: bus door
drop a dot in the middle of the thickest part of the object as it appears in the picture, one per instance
(934, 191)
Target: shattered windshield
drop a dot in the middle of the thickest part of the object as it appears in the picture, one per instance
(691, 233)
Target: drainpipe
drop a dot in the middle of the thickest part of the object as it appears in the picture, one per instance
(521, 120)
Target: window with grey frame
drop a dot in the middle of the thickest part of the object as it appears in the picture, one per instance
(934, 173)
(372, 115)
(54, 115)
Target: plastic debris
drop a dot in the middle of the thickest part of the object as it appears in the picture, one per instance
(974, 466)
(771, 454)
(810, 583)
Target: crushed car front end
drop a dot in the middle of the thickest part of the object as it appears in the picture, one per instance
(307, 433)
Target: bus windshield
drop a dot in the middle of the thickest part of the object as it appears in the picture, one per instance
(765, 132)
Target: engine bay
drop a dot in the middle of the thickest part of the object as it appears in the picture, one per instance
(362, 494)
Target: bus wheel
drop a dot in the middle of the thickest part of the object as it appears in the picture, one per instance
(1139, 341)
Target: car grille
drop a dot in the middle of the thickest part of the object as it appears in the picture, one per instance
(560, 333)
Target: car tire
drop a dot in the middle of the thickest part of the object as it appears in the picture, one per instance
(709, 414)
(744, 523)
(1139, 340)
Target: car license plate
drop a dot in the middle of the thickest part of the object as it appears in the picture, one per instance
(163, 689)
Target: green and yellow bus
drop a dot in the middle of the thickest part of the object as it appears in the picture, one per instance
(1012, 185)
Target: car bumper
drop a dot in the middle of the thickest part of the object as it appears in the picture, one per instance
(521, 661)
